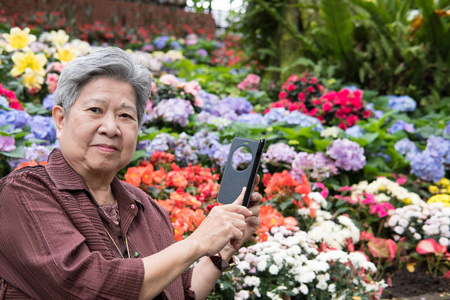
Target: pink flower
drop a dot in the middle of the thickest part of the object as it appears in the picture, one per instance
(192, 87)
(154, 88)
(52, 82)
(168, 79)
(382, 248)
(429, 246)
(7, 143)
(370, 199)
(381, 209)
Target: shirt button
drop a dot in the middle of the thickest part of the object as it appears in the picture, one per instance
(133, 206)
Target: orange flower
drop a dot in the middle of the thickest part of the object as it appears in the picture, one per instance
(177, 179)
(147, 174)
(158, 176)
(280, 184)
(31, 164)
(133, 176)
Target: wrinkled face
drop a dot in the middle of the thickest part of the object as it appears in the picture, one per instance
(98, 137)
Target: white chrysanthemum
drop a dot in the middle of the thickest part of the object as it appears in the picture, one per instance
(273, 269)
(256, 292)
(332, 288)
(318, 266)
(242, 294)
(318, 198)
(444, 241)
(262, 265)
(304, 289)
(243, 266)
(417, 236)
(252, 281)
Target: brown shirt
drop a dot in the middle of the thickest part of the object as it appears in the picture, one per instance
(53, 243)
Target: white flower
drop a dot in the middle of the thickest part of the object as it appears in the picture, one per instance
(322, 285)
(273, 269)
(304, 289)
(399, 229)
(252, 281)
(256, 292)
(243, 294)
(404, 223)
(417, 236)
(243, 266)
(262, 265)
(444, 241)
(332, 288)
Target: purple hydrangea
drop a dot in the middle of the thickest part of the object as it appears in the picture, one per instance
(49, 101)
(219, 122)
(205, 142)
(314, 165)
(161, 42)
(209, 100)
(355, 131)
(161, 142)
(239, 105)
(407, 148)
(202, 52)
(221, 155)
(401, 125)
(401, 103)
(447, 129)
(174, 111)
(279, 152)
(43, 128)
(297, 118)
(148, 48)
(430, 164)
(378, 114)
(15, 118)
(184, 153)
(7, 143)
(175, 45)
(240, 158)
(35, 152)
(348, 155)
(278, 114)
(254, 118)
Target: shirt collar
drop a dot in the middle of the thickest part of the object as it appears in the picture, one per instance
(66, 178)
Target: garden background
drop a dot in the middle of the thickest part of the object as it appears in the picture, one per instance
(353, 97)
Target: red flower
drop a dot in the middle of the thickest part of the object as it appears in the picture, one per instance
(291, 88)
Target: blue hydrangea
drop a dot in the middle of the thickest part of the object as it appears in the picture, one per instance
(447, 129)
(278, 114)
(401, 125)
(205, 142)
(4, 102)
(184, 154)
(49, 101)
(161, 42)
(43, 128)
(221, 155)
(38, 153)
(279, 152)
(161, 142)
(239, 105)
(401, 103)
(209, 100)
(378, 114)
(15, 118)
(348, 155)
(297, 118)
(175, 45)
(407, 148)
(252, 119)
(355, 131)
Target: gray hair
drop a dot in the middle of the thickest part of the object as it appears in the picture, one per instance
(108, 62)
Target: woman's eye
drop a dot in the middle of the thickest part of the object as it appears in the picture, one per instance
(94, 109)
(127, 116)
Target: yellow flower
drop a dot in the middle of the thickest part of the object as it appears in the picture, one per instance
(18, 39)
(444, 198)
(29, 59)
(407, 201)
(59, 38)
(32, 80)
(66, 54)
(444, 182)
(433, 189)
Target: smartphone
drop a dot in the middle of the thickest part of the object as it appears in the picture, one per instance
(234, 180)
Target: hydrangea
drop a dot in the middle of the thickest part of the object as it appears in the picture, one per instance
(238, 105)
(161, 42)
(43, 128)
(35, 152)
(49, 101)
(7, 143)
(401, 103)
(314, 165)
(401, 125)
(161, 142)
(173, 110)
(407, 148)
(4, 102)
(278, 114)
(205, 142)
(447, 129)
(297, 118)
(209, 100)
(279, 152)
(348, 155)
(378, 114)
(355, 131)
(184, 153)
(15, 118)
(221, 155)
(429, 165)
(253, 118)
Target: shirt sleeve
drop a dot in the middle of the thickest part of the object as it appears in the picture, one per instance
(45, 256)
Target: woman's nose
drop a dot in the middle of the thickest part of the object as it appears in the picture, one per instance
(109, 126)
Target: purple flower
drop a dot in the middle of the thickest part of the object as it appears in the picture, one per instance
(205, 142)
(35, 152)
(148, 48)
(175, 45)
(278, 114)
(315, 165)
(7, 143)
(355, 131)
(221, 155)
(161, 42)
(348, 155)
(401, 125)
(43, 128)
(407, 148)
(297, 118)
(241, 158)
(209, 100)
(161, 142)
(49, 102)
(279, 152)
(239, 105)
(4, 102)
(378, 114)
(15, 118)
(428, 166)
(253, 118)
(173, 110)
(184, 154)
(202, 52)
(447, 129)
(401, 103)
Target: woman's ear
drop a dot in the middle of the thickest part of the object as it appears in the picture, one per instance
(59, 116)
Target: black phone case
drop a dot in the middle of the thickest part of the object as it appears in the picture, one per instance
(234, 180)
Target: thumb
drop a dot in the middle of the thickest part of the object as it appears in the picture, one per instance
(239, 200)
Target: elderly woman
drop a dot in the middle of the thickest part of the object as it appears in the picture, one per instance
(73, 230)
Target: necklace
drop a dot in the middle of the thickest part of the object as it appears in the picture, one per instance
(118, 250)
